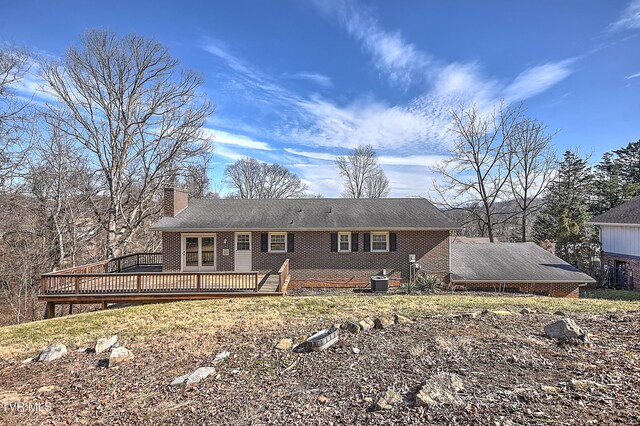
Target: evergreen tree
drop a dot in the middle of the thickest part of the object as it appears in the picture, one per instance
(617, 178)
(563, 220)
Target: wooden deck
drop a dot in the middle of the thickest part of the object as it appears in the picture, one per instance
(139, 278)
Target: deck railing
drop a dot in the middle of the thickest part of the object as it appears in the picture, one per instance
(107, 278)
(284, 275)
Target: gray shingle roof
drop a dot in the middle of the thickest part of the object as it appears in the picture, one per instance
(511, 262)
(301, 214)
(627, 213)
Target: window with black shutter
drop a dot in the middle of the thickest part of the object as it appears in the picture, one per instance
(354, 241)
(290, 242)
(393, 241)
(334, 242)
(264, 242)
(366, 244)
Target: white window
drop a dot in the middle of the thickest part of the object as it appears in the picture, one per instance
(277, 242)
(344, 241)
(242, 242)
(379, 241)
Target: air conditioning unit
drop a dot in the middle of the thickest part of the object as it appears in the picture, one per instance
(379, 284)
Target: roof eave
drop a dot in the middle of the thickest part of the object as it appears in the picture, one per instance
(350, 228)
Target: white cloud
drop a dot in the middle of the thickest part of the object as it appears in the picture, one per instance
(317, 78)
(314, 155)
(636, 75)
(630, 18)
(400, 60)
(538, 79)
(226, 138)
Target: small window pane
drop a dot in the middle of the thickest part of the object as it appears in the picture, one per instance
(344, 242)
(243, 242)
(379, 242)
(278, 242)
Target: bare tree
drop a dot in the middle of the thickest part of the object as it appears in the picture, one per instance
(14, 65)
(481, 162)
(535, 162)
(253, 179)
(139, 116)
(361, 174)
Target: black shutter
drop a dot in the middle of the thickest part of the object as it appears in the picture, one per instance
(354, 241)
(393, 243)
(366, 243)
(334, 242)
(290, 242)
(264, 242)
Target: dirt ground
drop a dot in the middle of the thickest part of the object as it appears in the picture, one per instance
(512, 374)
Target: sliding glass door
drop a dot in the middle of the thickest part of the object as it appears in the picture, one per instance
(198, 252)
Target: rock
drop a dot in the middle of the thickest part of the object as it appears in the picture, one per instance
(399, 319)
(368, 399)
(469, 315)
(284, 344)
(587, 384)
(220, 357)
(191, 379)
(105, 343)
(551, 389)
(83, 350)
(527, 311)
(388, 400)
(561, 313)
(382, 322)
(323, 399)
(351, 327)
(441, 388)
(45, 389)
(28, 360)
(119, 356)
(366, 324)
(51, 353)
(355, 350)
(502, 313)
(564, 329)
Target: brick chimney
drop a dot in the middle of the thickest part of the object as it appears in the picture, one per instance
(175, 200)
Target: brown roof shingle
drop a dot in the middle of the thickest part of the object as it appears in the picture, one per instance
(627, 213)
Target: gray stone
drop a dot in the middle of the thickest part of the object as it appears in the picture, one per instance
(564, 329)
(366, 324)
(105, 343)
(350, 326)
(439, 389)
(119, 356)
(220, 357)
(469, 315)
(382, 322)
(527, 311)
(388, 400)
(191, 379)
(355, 350)
(399, 319)
(52, 352)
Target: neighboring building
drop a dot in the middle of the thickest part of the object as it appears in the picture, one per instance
(620, 239)
(516, 267)
(329, 242)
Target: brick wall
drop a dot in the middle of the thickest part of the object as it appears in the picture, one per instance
(552, 289)
(175, 200)
(633, 262)
(313, 264)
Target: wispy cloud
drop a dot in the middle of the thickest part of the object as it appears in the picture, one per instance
(319, 79)
(226, 138)
(636, 75)
(398, 59)
(538, 79)
(630, 18)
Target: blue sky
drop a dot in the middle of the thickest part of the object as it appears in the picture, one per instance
(299, 82)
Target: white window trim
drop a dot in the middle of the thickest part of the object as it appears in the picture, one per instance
(285, 242)
(235, 246)
(386, 236)
(348, 234)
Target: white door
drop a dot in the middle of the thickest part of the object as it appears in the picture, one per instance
(198, 253)
(243, 252)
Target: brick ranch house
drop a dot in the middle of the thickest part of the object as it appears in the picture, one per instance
(343, 242)
(620, 244)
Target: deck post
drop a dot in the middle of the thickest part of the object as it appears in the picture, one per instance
(76, 280)
(50, 310)
(255, 278)
(198, 282)
(70, 308)
(138, 283)
(104, 305)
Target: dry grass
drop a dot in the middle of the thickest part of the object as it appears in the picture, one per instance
(202, 317)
